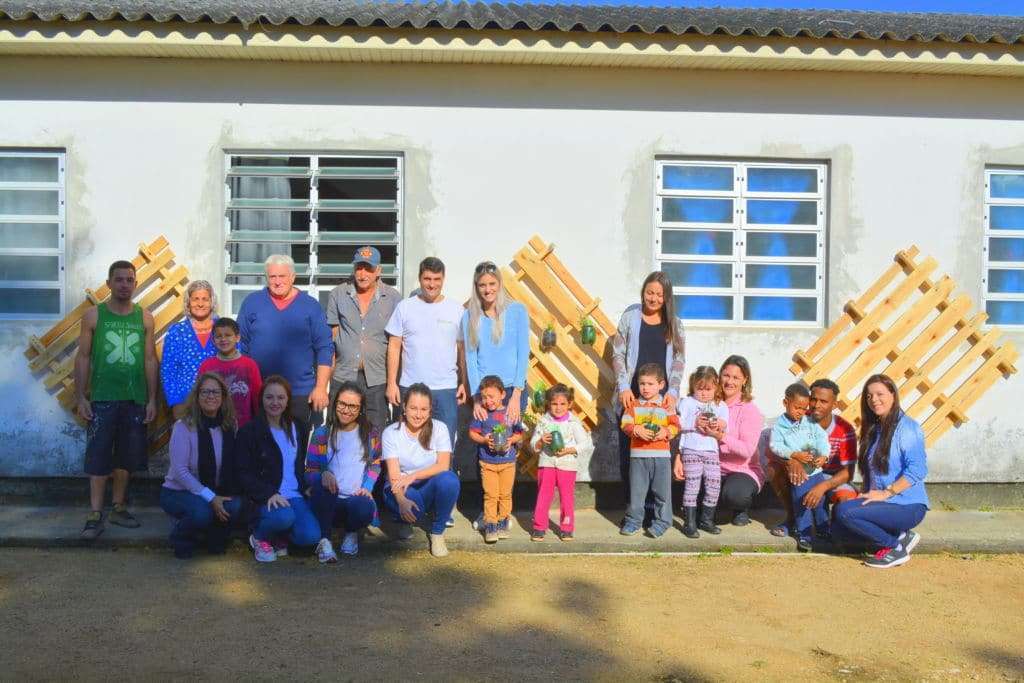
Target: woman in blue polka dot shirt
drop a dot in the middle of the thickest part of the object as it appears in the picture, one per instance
(187, 344)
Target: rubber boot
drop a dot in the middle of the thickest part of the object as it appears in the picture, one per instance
(707, 520)
(690, 522)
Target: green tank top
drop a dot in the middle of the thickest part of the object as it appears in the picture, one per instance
(118, 357)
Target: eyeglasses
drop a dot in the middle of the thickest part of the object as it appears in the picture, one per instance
(486, 267)
(210, 393)
(348, 407)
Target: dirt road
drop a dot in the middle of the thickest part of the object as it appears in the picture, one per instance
(75, 613)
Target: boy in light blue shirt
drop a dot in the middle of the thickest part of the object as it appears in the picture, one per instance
(794, 432)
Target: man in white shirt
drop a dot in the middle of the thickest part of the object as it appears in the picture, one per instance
(424, 342)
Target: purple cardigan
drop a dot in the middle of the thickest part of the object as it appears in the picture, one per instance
(183, 471)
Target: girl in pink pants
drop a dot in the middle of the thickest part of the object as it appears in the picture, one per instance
(558, 462)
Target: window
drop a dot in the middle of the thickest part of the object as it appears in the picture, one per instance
(743, 242)
(318, 209)
(31, 235)
(1003, 279)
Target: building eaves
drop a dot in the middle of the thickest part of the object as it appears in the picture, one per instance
(678, 21)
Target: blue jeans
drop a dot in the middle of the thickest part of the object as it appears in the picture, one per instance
(803, 516)
(444, 407)
(193, 515)
(876, 523)
(352, 512)
(437, 494)
(297, 519)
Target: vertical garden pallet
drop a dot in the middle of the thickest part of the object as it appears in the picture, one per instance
(947, 360)
(539, 280)
(160, 290)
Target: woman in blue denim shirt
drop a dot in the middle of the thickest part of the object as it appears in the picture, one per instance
(893, 465)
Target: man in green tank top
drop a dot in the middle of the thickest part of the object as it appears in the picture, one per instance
(116, 381)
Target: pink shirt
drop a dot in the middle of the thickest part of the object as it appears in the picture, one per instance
(738, 451)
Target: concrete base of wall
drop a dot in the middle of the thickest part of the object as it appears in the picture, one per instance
(599, 495)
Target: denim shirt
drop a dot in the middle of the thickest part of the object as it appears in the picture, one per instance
(907, 459)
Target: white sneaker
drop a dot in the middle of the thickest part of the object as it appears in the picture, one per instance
(325, 551)
(438, 548)
(350, 543)
(263, 551)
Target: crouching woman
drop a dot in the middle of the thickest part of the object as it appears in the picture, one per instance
(201, 486)
(893, 465)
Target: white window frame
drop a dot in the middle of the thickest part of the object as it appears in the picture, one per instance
(307, 282)
(740, 228)
(59, 284)
(987, 265)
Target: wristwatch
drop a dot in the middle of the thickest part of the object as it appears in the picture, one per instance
(890, 490)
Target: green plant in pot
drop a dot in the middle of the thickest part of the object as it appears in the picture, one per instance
(539, 397)
(588, 331)
(557, 440)
(549, 339)
(499, 436)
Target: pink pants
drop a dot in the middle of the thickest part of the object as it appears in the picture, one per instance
(549, 478)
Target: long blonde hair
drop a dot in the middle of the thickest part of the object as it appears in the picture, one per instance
(193, 413)
(476, 310)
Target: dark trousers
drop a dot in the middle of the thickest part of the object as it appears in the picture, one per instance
(378, 410)
(352, 513)
(194, 516)
(802, 516)
(738, 491)
(878, 523)
(300, 410)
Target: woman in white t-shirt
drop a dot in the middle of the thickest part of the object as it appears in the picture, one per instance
(417, 452)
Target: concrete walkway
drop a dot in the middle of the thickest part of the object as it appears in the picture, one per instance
(596, 532)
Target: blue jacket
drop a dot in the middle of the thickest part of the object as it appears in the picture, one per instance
(907, 459)
(509, 359)
(182, 356)
(789, 437)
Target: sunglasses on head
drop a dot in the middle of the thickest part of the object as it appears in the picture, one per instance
(486, 267)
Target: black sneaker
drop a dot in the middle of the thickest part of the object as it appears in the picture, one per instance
(565, 535)
(741, 519)
(909, 540)
(93, 526)
(537, 535)
(121, 517)
(803, 544)
(888, 557)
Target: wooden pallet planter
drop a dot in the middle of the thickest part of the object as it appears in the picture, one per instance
(539, 280)
(161, 291)
(920, 333)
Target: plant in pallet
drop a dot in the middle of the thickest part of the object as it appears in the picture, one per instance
(539, 397)
(588, 331)
(549, 339)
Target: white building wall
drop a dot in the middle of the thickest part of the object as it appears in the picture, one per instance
(495, 154)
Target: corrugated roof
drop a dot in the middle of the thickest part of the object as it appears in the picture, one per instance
(816, 24)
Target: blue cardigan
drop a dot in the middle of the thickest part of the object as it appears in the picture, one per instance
(182, 356)
(291, 343)
(509, 358)
(907, 459)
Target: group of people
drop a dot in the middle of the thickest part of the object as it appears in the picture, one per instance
(248, 394)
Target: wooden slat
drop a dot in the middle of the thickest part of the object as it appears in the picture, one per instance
(980, 379)
(563, 274)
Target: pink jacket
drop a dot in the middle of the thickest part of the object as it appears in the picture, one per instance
(738, 452)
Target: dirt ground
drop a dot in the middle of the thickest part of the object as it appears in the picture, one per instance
(97, 614)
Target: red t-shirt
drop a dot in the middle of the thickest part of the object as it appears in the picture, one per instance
(242, 376)
(842, 438)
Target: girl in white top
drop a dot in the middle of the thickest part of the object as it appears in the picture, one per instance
(417, 452)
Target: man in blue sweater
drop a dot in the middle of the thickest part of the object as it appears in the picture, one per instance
(285, 331)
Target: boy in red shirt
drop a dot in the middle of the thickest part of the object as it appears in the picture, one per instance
(240, 372)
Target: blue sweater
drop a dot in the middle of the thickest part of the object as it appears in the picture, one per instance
(291, 343)
(789, 437)
(180, 361)
(907, 459)
(509, 359)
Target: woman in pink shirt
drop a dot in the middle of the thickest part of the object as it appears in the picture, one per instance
(742, 476)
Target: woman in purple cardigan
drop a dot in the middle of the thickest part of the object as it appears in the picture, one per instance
(200, 488)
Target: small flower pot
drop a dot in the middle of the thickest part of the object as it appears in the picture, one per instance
(588, 335)
(557, 441)
(548, 340)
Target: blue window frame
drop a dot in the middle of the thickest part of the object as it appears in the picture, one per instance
(1003, 277)
(743, 242)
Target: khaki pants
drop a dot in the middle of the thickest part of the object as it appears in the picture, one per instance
(497, 482)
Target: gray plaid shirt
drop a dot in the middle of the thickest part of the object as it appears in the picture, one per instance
(361, 340)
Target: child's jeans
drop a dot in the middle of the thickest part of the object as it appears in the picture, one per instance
(548, 479)
(803, 516)
(497, 482)
(697, 465)
(653, 475)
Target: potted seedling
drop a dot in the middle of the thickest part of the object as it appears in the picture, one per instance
(539, 397)
(499, 437)
(648, 424)
(557, 440)
(809, 466)
(708, 410)
(588, 332)
(548, 339)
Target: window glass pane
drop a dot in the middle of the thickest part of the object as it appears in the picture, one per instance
(29, 202)
(781, 212)
(1006, 281)
(35, 301)
(704, 307)
(782, 244)
(699, 274)
(293, 165)
(1006, 217)
(270, 187)
(45, 268)
(1005, 312)
(29, 170)
(357, 221)
(358, 188)
(697, 242)
(782, 179)
(264, 219)
(716, 178)
(29, 235)
(1007, 185)
(772, 276)
(1005, 249)
(690, 210)
(779, 308)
